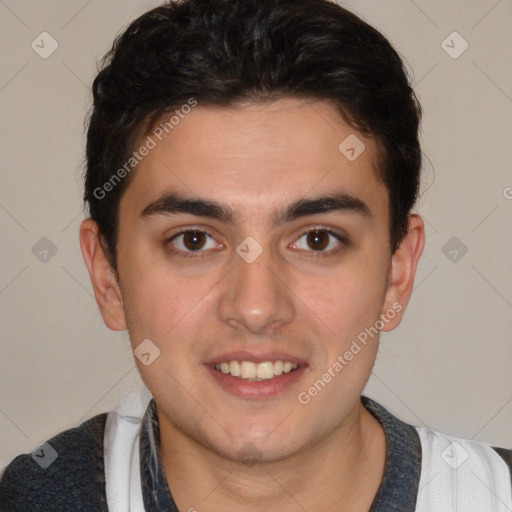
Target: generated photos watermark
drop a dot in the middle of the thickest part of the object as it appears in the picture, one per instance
(150, 143)
(304, 397)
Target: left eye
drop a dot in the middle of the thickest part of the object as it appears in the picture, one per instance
(319, 240)
(193, 241)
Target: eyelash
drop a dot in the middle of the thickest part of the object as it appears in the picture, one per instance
(343, 243)
(314, 254)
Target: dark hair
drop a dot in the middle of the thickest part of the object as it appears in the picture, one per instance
(223, 52)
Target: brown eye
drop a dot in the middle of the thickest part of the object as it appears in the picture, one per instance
(194, 240)
(318, 240)
(321, 242)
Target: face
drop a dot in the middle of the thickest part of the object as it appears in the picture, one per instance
(253, 254)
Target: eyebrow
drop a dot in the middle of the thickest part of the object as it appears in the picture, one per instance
(175, 203)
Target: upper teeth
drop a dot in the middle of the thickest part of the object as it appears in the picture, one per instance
(255, 371)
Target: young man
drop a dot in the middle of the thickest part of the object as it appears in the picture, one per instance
(252, 166)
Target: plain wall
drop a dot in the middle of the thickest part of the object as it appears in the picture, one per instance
(448, 366)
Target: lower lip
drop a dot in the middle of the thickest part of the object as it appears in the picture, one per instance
(256, 389)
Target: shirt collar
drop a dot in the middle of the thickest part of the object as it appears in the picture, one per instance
(397, 492)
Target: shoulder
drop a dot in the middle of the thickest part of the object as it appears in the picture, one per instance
(455, 451)
(506, 455)
(64, 473)
(472, 470)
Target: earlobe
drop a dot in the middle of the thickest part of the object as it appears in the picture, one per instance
(104, 282)
(402, 271)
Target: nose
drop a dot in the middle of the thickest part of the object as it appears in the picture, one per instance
(256, 296)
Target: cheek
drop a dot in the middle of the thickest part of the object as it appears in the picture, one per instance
(160, 302)
(167, 310)
(346, 301)
(346, 309)
(146, 295)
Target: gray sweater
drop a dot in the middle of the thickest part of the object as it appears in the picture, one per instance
(75, 480)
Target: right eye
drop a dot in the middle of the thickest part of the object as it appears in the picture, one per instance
(190, 241)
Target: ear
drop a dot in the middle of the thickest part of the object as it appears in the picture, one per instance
(103, 278)
(401, 273)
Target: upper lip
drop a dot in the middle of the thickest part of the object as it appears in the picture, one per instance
(261, 357)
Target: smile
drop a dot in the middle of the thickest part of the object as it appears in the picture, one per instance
(250, 371)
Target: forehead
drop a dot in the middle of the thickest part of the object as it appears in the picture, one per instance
(257, 154)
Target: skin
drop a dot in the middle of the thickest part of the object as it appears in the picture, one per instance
(257, 159)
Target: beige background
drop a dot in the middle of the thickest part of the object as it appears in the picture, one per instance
(448, 366)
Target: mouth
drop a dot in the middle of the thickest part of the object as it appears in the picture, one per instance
(255, 372)
(256, 376)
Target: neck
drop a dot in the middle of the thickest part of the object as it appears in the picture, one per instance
(344, 469)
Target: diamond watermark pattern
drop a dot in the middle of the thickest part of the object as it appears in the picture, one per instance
(454, 249)
(249, 249)
(454, 455)
(44, 250)
(44, 455)
(146, 352)
(352, 147)
(44, 45)
(454, 45)
(249, 454)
